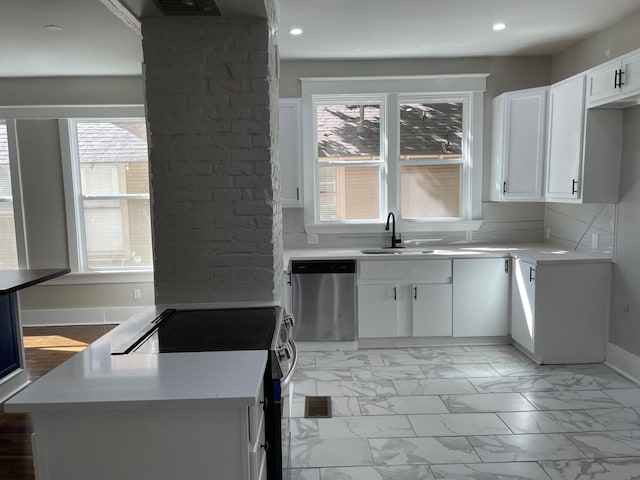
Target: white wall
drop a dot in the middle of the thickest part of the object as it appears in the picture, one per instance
(43, 193)
(624, 326)
(624, 329)
(503, 222)
(609, 43)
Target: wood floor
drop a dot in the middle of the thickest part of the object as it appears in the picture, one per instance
(45, 348)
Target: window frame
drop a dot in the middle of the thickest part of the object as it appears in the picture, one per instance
(16, 192)
(465, 190)
(395, 90)
(381, 164)
(76, 232)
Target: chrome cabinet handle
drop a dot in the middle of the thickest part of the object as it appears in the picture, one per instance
(531, 271)
(395, 293)
(574, 187)
(415, 293)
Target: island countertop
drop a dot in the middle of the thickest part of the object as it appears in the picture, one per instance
(96, 380)
(14, 280)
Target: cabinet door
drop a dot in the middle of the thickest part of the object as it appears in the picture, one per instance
(523, 296)
(431, 310)
(290, 153)
(602, 81)
(631, 73)
(480, 297)
(564, 140)
(9, 349)
(378, 311)
(523, 145)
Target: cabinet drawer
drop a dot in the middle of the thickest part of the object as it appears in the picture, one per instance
(256, 417)
(428, 271)
(257, 453)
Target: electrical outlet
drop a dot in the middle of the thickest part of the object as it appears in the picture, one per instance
(137, 293)
(312, 238)
(547, 234)
(595, 238)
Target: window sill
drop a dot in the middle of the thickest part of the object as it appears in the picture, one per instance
(418, 227)
(121, 276)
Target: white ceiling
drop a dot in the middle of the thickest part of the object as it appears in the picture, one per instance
(95, 42)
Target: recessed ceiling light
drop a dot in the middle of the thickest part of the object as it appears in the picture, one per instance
(499, 26)
(295, 31)
(53, 28)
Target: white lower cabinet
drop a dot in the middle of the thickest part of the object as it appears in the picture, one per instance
(431, 310)
(559, 310)
(401, 298)
(523, 295)
(480, 297)
(378, 311)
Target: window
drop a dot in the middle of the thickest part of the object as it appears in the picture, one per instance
(8, 247)
(431, 158)
(410, 153)
(110, 184)
(349, 160)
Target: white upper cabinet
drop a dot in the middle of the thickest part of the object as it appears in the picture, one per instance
(615, 84)
(564, 141)
(518, 146)
(290, 152)
(583, 147)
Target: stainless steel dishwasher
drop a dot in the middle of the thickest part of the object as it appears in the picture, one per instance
(324, 300)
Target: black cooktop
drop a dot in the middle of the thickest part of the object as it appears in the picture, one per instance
(212, 330)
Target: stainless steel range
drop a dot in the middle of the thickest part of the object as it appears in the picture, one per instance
(202, 330)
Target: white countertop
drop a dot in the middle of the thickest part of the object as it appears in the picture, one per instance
(94, 379)
(534, 253)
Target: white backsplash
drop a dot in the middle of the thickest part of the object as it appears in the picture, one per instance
(572, 226)
(502, 223)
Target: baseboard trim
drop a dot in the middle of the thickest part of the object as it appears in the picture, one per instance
(77, 316)
(623, 362)
(392, 342)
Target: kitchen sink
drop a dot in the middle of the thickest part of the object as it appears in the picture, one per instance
(394, 251)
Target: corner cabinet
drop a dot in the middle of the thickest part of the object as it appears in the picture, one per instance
(583, 147)
(559, 310)
(480, 297)
(290, 152)
(403, 298)
(615, 83)
(518, 146)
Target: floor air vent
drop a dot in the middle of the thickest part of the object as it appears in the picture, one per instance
(188, 7)
(317, 407)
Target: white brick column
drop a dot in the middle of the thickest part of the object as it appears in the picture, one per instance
(211, 87)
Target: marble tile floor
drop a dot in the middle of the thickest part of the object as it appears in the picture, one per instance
(458, 413)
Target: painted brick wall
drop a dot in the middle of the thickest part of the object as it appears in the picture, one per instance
(210, 87)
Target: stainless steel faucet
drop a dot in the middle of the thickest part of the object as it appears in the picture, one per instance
(394, 241)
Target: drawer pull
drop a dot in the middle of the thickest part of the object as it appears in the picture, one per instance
(395, 293)
(531, 271)
(415, 293)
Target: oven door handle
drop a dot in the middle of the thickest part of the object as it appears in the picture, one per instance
(284, 381)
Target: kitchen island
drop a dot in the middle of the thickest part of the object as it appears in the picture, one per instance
(13, 375)
(147, 416)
